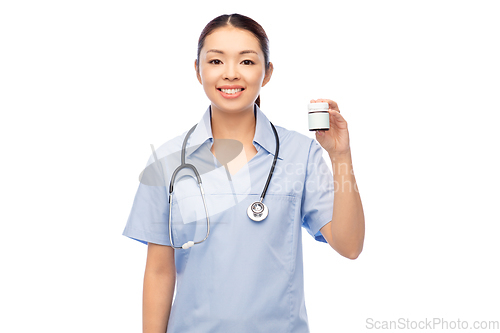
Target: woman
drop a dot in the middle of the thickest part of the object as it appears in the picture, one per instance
(247, 274)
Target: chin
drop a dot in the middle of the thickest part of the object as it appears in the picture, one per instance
(235, 108)
(232, 106)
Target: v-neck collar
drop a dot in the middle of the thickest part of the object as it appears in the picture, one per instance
(264, 135)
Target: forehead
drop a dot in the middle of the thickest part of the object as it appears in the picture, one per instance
(231, 40)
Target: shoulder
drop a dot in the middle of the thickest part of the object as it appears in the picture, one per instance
(168, 150)
(287, 135)
(294, 142)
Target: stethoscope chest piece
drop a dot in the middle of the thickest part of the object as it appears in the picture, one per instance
(257, 211)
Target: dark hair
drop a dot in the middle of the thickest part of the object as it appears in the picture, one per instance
(241, 22)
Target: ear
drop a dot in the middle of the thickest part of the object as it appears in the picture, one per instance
(268, 74)
(197, 69)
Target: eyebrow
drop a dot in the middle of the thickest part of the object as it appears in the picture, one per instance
(242, 52)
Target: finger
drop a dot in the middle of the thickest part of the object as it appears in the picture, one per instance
(337, 119)
(320, 133)
(336, 114)
(332, 104)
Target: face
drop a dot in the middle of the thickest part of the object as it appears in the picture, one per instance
(231, 58)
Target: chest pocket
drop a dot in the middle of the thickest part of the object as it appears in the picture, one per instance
(235, 242)
(234, 238)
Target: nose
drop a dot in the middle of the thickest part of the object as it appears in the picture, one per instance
(231, 71)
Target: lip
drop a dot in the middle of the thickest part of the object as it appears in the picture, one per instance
(232, 86)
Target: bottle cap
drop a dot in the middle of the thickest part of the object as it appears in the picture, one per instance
(318, 107)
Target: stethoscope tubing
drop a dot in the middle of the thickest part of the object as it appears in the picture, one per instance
(193, 168)
(274, 163)
(171, 190)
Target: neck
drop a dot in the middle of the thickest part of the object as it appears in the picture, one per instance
(236, 126)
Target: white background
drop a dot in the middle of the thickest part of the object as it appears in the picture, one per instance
(87, 86)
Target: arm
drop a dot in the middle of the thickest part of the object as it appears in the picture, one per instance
(346, 231)
(159, 284)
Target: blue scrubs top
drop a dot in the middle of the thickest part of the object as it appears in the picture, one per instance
(247, 276)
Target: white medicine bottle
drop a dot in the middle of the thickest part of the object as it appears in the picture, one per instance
(319, 117)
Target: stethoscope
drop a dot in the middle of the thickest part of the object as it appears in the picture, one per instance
(257, 211)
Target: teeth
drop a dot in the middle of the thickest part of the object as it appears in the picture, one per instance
(231, 91)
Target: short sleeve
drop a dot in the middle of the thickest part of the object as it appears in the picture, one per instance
(318, 192)
(148, 219)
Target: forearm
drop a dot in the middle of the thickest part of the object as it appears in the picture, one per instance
(348, 221)
(157, 301)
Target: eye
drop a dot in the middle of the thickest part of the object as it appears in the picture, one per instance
(217, 61)
(248, 62)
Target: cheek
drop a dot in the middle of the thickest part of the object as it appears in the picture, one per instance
(207, 76)
(256, 78)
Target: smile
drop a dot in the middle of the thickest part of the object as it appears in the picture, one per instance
(230, 93)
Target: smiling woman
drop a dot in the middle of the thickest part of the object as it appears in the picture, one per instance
(241, 269)
(258, 55)
(232, 68)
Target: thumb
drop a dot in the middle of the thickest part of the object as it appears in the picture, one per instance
(320, 134)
